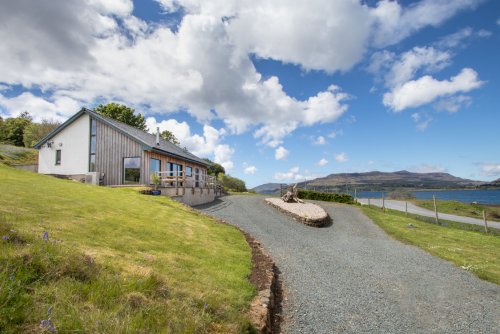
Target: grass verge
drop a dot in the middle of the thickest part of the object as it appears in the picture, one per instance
(462, 209)
(470, 250)
(75, 257)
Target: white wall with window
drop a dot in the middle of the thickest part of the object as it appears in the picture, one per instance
(73, 144)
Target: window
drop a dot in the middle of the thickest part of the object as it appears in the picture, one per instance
(93, 143)
(189, 171)
(196, 177)
(58, 157)
(154, 166)
(131, 170)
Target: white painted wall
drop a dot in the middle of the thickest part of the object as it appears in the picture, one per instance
(73, 141)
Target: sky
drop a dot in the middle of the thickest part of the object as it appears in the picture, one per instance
(275, 91)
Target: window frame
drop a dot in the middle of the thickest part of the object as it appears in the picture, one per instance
(150, 171)
(124, 170)
(58, 157)
(92, 153)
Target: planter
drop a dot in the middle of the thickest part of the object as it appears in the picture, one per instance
(155, 192)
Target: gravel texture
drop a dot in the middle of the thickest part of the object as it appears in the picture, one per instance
(309, 213)
(351, 277)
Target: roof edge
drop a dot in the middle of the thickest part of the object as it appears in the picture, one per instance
(60, 128)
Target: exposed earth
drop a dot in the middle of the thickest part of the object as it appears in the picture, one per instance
(351, 277)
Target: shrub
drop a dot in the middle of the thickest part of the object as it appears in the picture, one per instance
(328, 197)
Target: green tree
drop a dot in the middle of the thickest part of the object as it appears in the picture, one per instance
(214, 168)
(13, 129)
(231, 183)
(36, 131)
(123, 114)
(169, 136)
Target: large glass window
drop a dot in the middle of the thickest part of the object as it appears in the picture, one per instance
(196, 177)
(131, 170)
(93, 144)
(189, 171)
(154, 166)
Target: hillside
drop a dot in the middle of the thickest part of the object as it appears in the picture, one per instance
(80, 258)
(15, 155)
(376, 181)
(268, 188)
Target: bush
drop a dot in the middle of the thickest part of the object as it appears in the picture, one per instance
(231, 183)
(400, 194)
(327, 197)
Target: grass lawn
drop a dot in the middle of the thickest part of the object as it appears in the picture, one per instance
(115, 261)
(15, 155)
(470, 250)
(462, 209)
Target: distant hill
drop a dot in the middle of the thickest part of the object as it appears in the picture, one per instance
(15, 155)
(268, 188)
(377, 181)
(492, 184)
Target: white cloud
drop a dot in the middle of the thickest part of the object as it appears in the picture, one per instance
(490, 169)
(422, 121)
(453, 103)
(426, 89)
(250, 170)
(341, 157)
(498, 22)
(320, 140)
(293, 175)
(427, 168)
(281, 153)
(484, 33)
(207, 145)
(322, 162)
(394, 23)
(336, 133)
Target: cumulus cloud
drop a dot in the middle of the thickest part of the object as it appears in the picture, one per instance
(341, 157)
(453, 103)
(250, 170)
(426, 89)
(281, 153)
(394, 23)
(320, 140)
(206, 145)
(322, 162)
(422, 121)
(427, 168)
(490, 169)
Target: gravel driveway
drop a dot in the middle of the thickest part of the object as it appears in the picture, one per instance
(351, 277)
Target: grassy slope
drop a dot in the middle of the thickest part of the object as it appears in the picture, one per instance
(473, 251)
(116, 261)
(14, 155)
(462, 209)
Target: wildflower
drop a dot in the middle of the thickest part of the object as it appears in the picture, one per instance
(45, 236)
(5, 237)
(47, 324)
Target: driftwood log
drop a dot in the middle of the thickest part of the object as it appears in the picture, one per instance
(292, 195)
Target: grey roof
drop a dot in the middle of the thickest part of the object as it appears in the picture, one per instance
(146, 139)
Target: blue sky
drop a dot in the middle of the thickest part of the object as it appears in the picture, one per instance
(276, 91)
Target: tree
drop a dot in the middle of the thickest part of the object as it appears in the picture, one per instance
(214, 168)
(123, 114)
(13, 129)
(169, 136)
(231, 183)
(36, 131)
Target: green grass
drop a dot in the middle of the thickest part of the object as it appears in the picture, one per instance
(116, 261)
(14, 155)
(462, 209)
(471, 250)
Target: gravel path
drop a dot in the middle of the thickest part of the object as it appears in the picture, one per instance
(352, 278)
(412, 208)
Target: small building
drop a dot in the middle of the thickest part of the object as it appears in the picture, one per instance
(92, 148)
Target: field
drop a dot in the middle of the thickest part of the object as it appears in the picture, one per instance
(462, 209)
(474, 251)
(80, 258)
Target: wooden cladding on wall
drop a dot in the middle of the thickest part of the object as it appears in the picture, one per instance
(164, 160)
(111, 147)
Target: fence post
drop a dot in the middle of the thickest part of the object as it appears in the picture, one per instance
(485, 223)
(383, 201)
(369, 202)
(355, 195)
(177, 182)
(406, 208)
(435, 209)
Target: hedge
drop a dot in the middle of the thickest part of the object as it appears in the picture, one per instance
(328, 197)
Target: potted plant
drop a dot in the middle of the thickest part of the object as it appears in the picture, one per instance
(156, 182)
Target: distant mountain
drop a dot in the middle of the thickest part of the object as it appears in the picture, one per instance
(268, 188)
(493, 184)
(378, 181)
